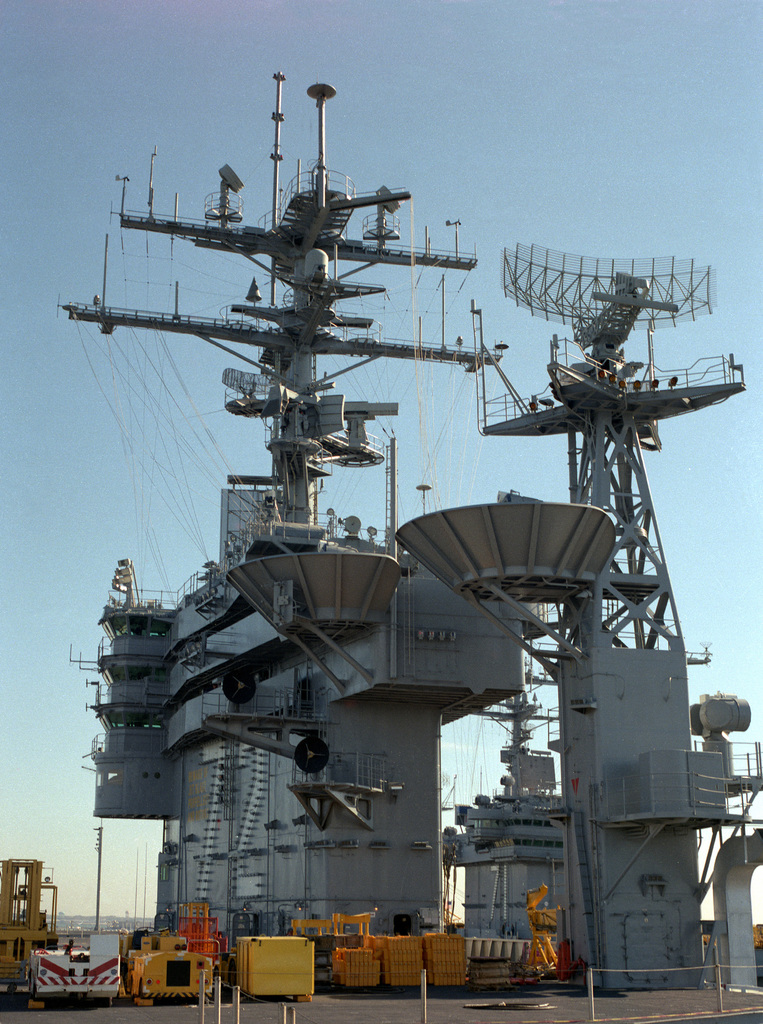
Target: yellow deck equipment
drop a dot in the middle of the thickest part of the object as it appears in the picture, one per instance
(542, 926)
(164, 968)
(24, 924)
(277, 966)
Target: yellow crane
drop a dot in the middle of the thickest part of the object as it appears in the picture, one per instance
(542, 926)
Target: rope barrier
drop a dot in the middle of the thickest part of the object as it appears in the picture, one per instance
(288, 1014)
(717, 983)
(646, 970)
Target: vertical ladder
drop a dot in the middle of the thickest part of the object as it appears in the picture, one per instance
(586, 887)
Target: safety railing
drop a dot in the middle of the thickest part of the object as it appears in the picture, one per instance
(568, 355)
(350, 769)
(281, 704)
(746, 760)
(305, 182)
(155, 601)
(663, 794)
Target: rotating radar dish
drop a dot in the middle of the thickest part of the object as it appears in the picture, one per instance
(582, 291)
(311, 755)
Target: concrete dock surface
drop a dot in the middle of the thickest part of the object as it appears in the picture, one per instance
(534, 1004)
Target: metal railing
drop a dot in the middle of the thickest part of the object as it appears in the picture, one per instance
(352, 769)
(156, 601)
(663, 794)
(746, 760)
(305, 182)
(704, 372)
(283, 704)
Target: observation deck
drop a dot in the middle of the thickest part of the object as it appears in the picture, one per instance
(587, 385)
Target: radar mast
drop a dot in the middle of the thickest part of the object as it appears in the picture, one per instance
(590, 583)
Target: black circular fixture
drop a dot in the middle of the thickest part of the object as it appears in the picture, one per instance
(237, 689)
(311, 754)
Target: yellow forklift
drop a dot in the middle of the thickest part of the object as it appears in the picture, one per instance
(24, 924)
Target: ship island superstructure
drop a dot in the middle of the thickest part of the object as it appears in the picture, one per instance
(511, 842)
(282, 718)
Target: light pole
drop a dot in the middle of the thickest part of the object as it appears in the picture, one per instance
(99, 849)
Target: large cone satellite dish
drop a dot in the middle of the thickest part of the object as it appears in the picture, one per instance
(534, 551)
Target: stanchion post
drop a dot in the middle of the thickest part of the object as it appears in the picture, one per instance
(282, 1013)
(218, 999)
(201, 997)
(589, 985)
(718, 985)
(237, 1003)
(423, 997)
(292, 1012)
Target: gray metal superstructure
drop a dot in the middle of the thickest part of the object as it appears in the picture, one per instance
(511, 842)
(604, 621)
(283, 716)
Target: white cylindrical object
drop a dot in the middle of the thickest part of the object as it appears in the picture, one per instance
(316, 265)
(589, 985)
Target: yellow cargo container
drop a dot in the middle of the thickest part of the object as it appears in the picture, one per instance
(280, 966)
(444, 959)
(356, 968)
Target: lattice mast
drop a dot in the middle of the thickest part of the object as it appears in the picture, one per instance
(312, 427)
(618, 646)
(610, 407)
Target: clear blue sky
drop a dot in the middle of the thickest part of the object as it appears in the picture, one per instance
(622, 128)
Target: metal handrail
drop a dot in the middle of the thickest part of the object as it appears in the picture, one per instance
(305, 182)
(681, 794)
(706, 371)
(283, 704)
(349, 768)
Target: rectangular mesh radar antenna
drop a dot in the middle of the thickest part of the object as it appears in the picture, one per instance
(562, 287)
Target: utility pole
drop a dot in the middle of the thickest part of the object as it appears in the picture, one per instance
(99, 849)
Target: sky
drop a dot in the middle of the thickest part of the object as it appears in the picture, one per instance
(607, 128)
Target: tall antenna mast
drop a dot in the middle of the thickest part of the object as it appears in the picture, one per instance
(276, 157)
(151, 185)
(320, 92)
(610, 408)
